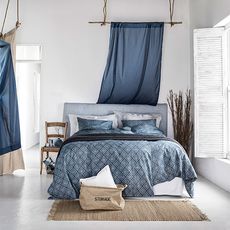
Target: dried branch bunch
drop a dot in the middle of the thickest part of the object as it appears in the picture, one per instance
(180, 107)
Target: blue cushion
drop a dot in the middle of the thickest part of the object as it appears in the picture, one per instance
(94, 124)
(147, 130)
(145, 127)
(132, 123)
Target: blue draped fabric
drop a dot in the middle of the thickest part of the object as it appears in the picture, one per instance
(9, 117)
(133, 71)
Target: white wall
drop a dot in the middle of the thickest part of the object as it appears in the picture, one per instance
(207, 13)
(75, 52)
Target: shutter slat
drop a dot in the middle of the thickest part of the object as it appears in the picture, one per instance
(210, 93)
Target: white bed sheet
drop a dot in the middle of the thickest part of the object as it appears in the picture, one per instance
(174, 187)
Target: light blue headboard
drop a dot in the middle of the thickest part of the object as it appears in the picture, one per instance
(104, 109)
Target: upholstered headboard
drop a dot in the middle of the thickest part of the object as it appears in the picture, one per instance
(104, 109)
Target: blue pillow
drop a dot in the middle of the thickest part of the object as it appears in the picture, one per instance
(85, 124)
(132, 123)
(146, 129)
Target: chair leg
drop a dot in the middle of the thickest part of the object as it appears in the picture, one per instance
(41, 162)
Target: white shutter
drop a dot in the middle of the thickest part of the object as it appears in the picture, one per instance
(210, 93)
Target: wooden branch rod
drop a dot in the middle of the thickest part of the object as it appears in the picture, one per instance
(103, 23)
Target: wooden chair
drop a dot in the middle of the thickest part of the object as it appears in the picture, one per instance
(52, 149)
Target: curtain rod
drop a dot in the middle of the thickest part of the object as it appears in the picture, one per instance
(104, 23)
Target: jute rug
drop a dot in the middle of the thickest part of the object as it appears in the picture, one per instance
(155, 210)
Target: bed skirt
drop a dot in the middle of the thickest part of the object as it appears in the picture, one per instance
(11, 161)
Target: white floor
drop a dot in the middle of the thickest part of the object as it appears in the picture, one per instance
(24, 205)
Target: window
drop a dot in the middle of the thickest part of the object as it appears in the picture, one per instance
(228, 75)
(210, 93)
(28, 53)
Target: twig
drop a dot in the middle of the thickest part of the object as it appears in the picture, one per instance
(181, 116)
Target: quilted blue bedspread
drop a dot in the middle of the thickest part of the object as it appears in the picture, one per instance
(140, 164)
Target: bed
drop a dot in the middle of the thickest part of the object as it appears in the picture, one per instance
(150, 165)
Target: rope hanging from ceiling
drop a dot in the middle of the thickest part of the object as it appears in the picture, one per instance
(18, 22)
(171, 11)
(105, 14)
(5, 17)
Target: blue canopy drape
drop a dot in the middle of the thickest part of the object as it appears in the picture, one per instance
(9, 118)
(133, 71)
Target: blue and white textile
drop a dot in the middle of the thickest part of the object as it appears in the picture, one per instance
(140, 161)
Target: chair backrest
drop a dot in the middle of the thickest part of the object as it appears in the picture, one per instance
(62, 125)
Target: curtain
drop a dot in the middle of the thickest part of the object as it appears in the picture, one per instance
(10, 38)
(133, 71)
(11, 157)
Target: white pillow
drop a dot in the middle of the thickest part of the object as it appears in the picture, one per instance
(137, 116)
(103, 179)
(74, 122)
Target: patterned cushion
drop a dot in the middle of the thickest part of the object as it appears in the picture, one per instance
(74, 126)
(132, 123)
(94, 124)
(147, 129)
(137, 116)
